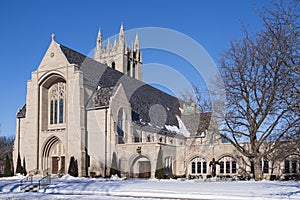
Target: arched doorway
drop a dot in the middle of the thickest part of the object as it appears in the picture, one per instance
(141, 167)
(53, 156)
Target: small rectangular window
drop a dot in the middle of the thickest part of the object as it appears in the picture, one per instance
(294, 166)
(55, 112)
(252, 167)
(61, 111)
(227, 167)
(286, 166)
(266, 167)
(133, 70)
(128, 67)
(136, 139)
(51, 112)
(233, 167)
(204, 168)
(193, 167)
(199, 167)
(221, 167)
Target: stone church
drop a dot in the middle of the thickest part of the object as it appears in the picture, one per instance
(92, 108)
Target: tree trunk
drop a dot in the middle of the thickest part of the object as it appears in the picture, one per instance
(257, 169)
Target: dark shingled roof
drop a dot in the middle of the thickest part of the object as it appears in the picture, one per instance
(72, 56)
(196, 123)
(141, 96)
(22, 112)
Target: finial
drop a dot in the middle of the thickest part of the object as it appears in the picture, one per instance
(136, 42)
(122, 29)
(136, 36)
(99, 32)
(53, 36)
(115, 43)
(108, 44)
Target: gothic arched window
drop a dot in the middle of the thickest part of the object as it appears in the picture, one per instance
(133, 70)
(169, 165)
(57, 103)
(198, 166)
(113, 65)
(128, 67)
(120, 127)
(228, 165)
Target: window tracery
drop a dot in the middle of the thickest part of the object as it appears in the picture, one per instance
(57, 103)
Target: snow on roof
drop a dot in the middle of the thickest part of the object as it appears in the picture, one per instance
(172, 128)
(182, 127)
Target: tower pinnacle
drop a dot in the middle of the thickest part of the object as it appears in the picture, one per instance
(136, 42)
(99, 39)
(121, 34)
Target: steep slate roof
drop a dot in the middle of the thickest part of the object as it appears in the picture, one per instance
(197, 123)
(140, 95)
(22, 112)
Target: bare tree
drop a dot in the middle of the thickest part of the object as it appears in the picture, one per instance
(199, 96)
(261, 75)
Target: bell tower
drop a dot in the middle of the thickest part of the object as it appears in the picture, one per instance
(119, 56)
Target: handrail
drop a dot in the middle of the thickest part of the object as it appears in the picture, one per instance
(47, 180)
(24, 180)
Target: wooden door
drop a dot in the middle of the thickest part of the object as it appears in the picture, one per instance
(54, 165)
(144, 169)
(62, 164)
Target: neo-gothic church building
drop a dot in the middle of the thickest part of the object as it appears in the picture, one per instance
(93, 108)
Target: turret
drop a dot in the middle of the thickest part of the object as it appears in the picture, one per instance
(119, 56)
(121, 36)
(98, 49)
(137, 47)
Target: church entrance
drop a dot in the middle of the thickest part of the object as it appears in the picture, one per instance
(144, 169)
(53, 158)
(54, 165)
(140, 167)
(58, 165)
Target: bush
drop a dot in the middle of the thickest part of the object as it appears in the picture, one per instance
(114, 170)
(294, 177)
(73, 168)
(159, 172)
(7, 167)
(24, 167)
(178, 176)
(19, 166)
(272, 177)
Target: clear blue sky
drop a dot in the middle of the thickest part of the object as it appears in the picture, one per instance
(26, 28)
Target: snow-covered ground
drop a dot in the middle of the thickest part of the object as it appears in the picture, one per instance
(69, 187)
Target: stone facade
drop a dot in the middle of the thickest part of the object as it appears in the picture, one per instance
(91, 108)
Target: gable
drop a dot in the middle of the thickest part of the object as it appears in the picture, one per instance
(54, 58)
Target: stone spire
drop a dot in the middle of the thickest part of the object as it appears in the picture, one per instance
(99, 40)
(108, 44)
(136, 43)
(115, 43)
(121, 35)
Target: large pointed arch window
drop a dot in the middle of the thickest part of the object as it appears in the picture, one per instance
(57, 103)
